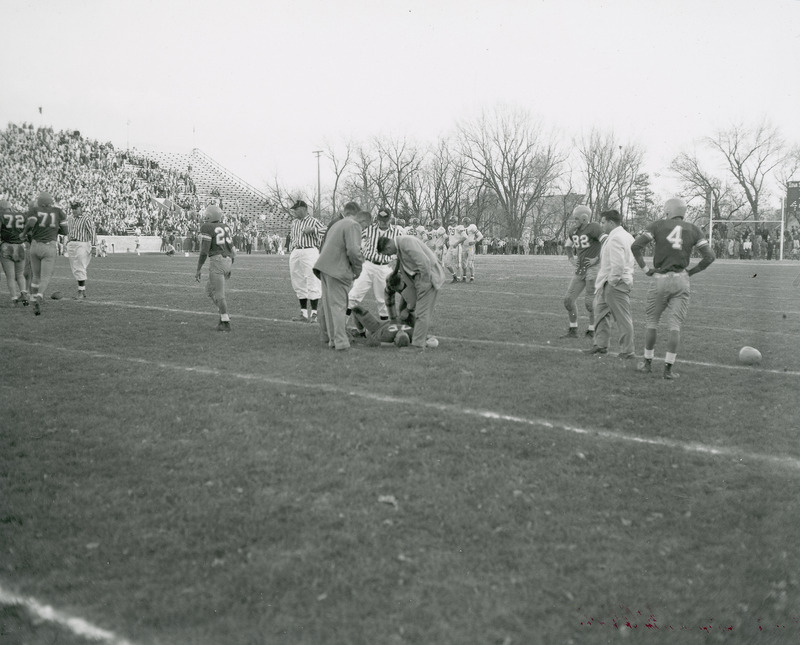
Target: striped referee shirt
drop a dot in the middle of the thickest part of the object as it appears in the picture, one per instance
(369, 242)
(300, 240)
(81, 229)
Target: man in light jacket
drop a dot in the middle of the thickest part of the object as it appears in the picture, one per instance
(339, 263)
(423, 276)
(612, 298)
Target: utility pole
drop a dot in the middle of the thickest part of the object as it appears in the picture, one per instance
(319, 190)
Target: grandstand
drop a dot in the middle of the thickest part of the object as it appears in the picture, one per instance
(212, 180)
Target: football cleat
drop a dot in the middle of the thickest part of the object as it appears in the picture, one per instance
(668, 373)
(596, 350)
(589, 333)
(645, 366)
(313, 317)
(455, 279)
(15, 301)
(224, 325)
(572, 332)
(626, 355)
(81, 295)
(37, 308)
(300, 318)
(472, 279)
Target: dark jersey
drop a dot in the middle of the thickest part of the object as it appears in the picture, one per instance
(674, 240)
(50, 221)
(388, 330)
(11, 225)
(585, 242)
(219, 238)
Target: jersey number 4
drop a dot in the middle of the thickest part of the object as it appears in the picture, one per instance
(223, 235)
(674, 238)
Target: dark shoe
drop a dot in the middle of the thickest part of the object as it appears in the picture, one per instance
(595, 349)
(224, 325)
(572, 332)
(472, 279)
(589, 333)
(455, 279)
(645, 366)
(37, 308)
(81, 296)
(669, 374)
(626, 355)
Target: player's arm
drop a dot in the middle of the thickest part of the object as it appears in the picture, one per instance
(205, 247)
(478, 236)
(637, 248)
(63, 227)
(29, 224)
(707, 257)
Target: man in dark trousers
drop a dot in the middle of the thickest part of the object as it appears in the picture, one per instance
(339, 263)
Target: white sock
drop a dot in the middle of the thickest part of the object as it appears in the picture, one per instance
(669, 359)
(224, 318)
(649, 353)
(573, 325)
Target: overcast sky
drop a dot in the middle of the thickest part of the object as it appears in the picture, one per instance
(259, 85)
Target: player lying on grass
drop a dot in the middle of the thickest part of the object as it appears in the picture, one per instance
(397, 330)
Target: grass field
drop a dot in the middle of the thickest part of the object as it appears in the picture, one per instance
(173, 485)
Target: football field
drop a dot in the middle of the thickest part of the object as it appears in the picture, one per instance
(163, 483)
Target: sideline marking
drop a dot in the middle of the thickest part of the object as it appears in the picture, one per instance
(77, 626)
(695, 447)
(477, 341)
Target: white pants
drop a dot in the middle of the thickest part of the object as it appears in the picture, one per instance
(80, 254)
(372, 276)
(304, 282)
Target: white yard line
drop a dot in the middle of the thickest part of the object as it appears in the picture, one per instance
(77, 626)
(414, 403)
(475, 341)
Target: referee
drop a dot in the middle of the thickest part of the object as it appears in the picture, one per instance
(304, 241)
(377, 266)
(82, 238)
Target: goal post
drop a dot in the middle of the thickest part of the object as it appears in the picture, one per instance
(780, 221)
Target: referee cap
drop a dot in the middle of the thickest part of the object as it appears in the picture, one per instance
(299, 204)
(75, 203)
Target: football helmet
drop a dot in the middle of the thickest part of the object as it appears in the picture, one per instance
(43, 200)
(212, 214)
(466, 221)
(675, 207)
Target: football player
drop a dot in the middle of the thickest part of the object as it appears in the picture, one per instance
(583, 251)
(216, 243)
(44, 225)
(456, 236)
(474, 236)
(438, 235)
(674, 241)
(397, 330)
(12, 251)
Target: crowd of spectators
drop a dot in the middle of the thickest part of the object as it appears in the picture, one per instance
(755, 243)
(522, 246)
(126, 192)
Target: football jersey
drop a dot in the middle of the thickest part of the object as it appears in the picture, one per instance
(674, 240)
(11, 225)
(438, 236)
(49, 222)
(586, 243)
(219, 237)
(455, 235)
(472, 235)
(388, 330)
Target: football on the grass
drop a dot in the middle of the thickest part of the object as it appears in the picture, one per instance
(432, 342)
(749, 356)
(57, 295)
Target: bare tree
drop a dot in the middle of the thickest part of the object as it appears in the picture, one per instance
(610, 170)
(396, 161)
(751, 155)
(340, 164)
(723, 200)
(359, 185)
(446, 182)
(509, 154)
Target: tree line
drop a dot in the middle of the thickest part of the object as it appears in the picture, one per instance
(515, 178)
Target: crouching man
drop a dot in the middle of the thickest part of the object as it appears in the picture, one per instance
(422, 275)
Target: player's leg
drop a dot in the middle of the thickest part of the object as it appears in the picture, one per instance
(655, 305)
(36, 272)
(381, 273)
(18, 258)
(7, 262)
(588, 299)
(449, 262)
(470, 264)
(677, 310)
(365, 319)
(576, 285)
